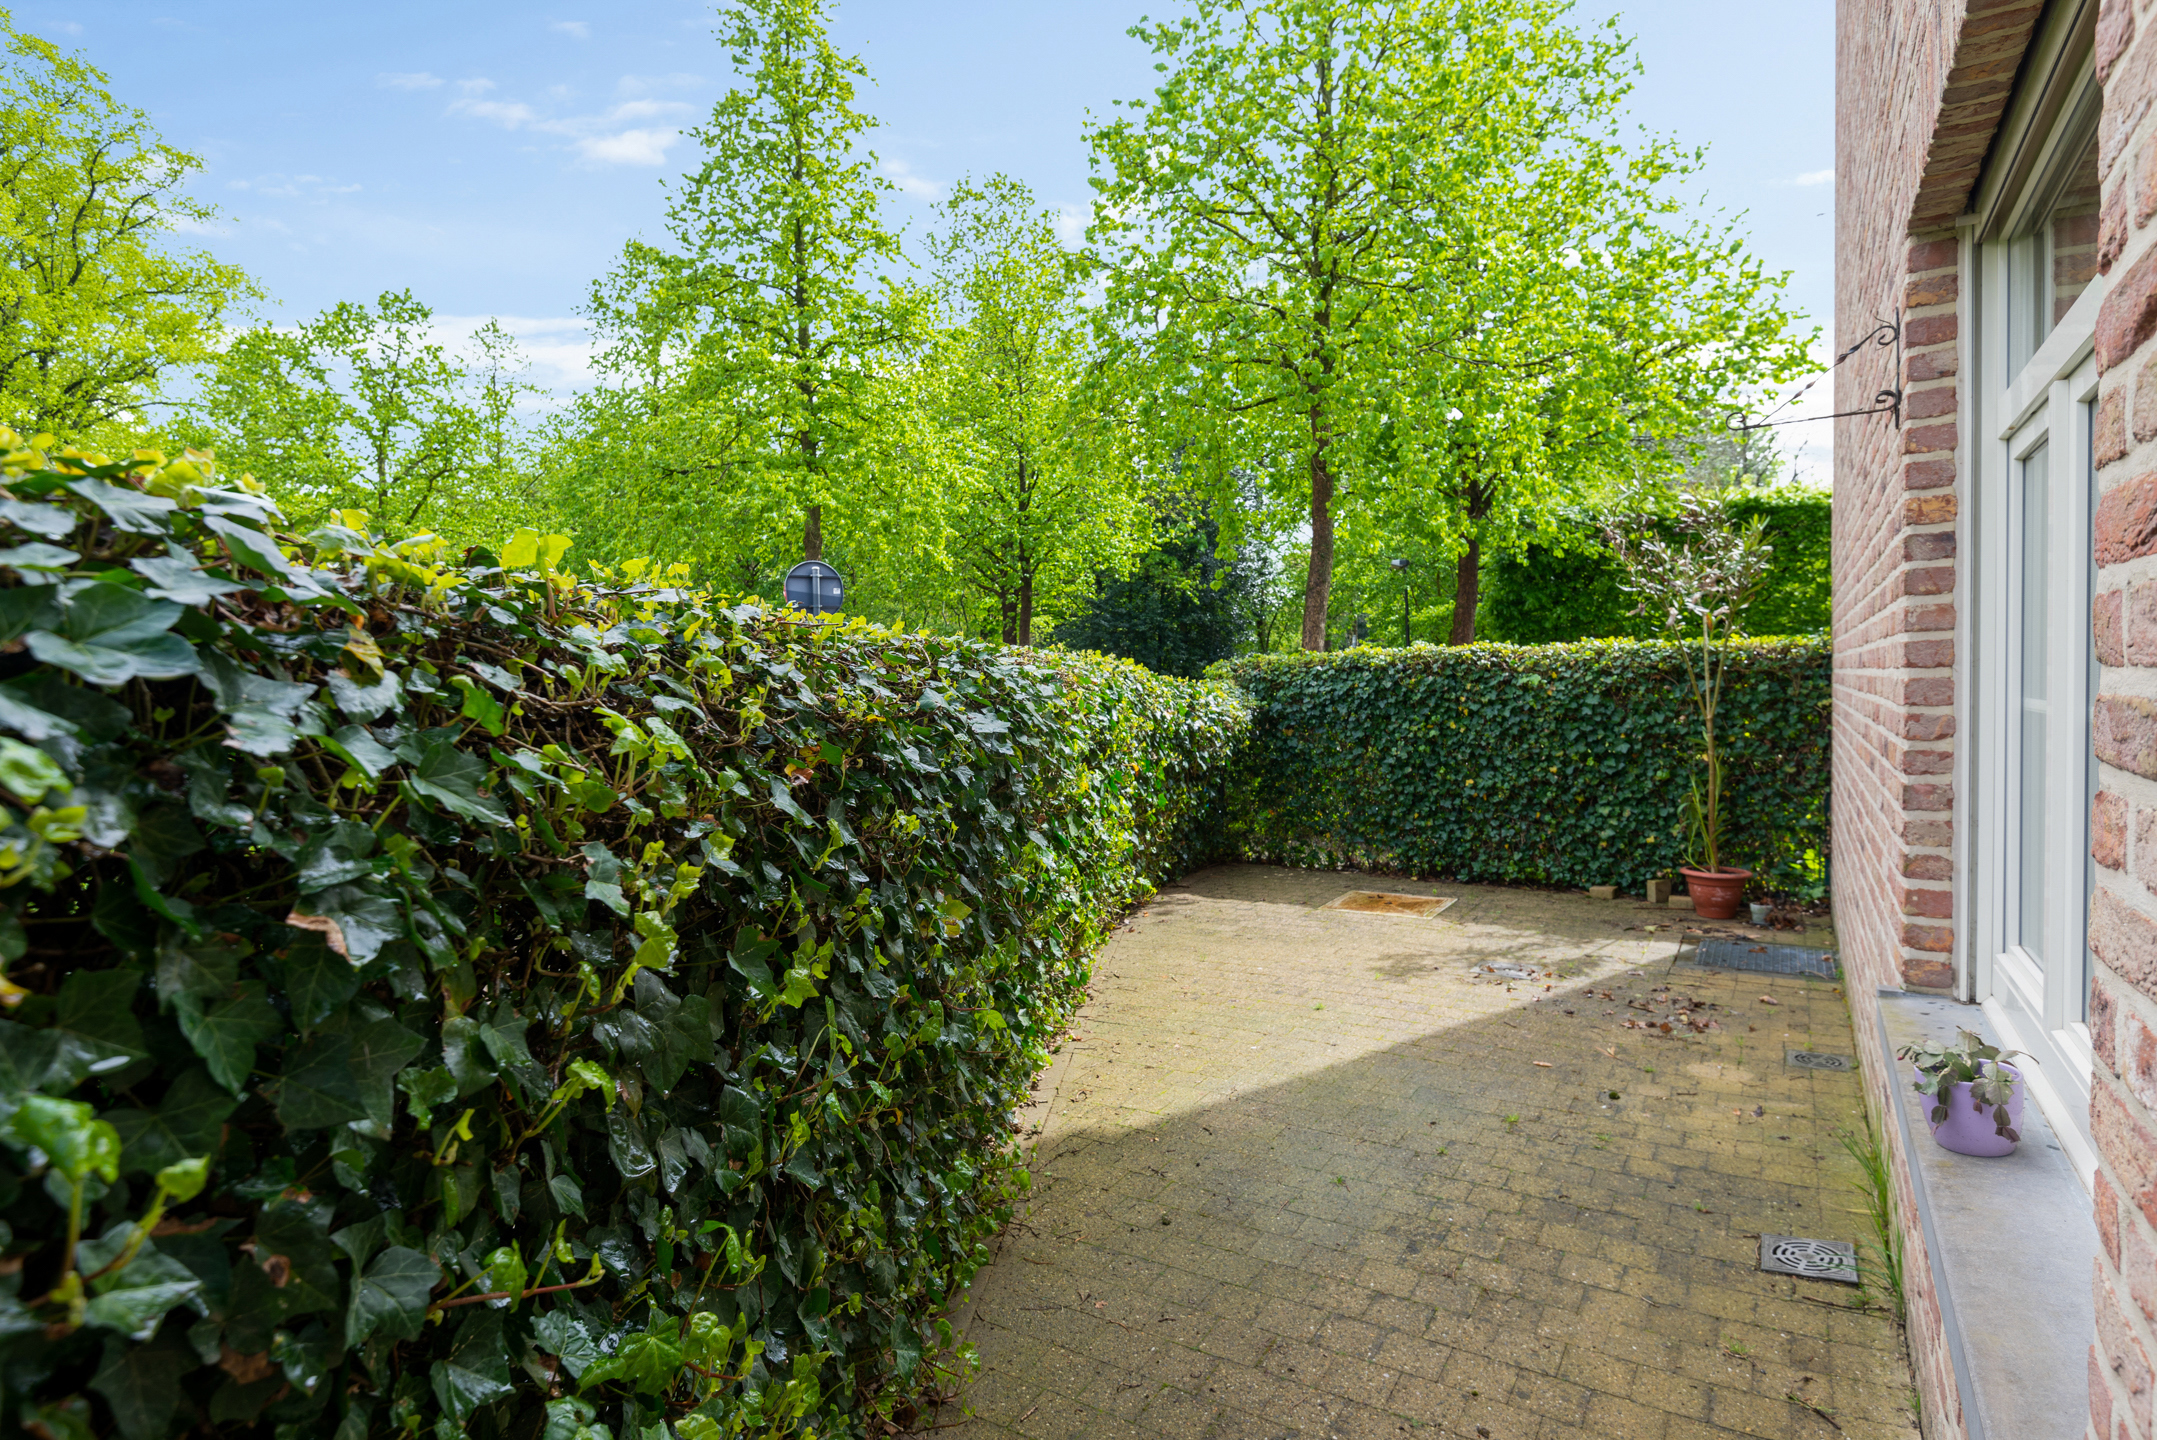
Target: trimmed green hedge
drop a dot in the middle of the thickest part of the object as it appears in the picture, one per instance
(463, 999)
(1575, 591)
(1553, 764)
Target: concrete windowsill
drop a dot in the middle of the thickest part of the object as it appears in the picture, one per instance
(2011, 1242)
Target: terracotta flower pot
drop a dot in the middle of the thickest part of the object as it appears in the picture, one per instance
(1715, 892)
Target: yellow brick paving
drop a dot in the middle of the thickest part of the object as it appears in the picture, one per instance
(1299, 1173)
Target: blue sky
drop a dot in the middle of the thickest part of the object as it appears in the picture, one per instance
(493, 157)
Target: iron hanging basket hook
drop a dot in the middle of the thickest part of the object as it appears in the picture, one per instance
(1888, 333)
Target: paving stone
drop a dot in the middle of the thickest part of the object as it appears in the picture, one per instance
(1388, 1220)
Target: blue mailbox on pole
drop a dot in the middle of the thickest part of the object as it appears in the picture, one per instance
(815, 587)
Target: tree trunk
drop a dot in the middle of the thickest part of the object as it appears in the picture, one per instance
(812, 534)
(1026, 609)
(1466, 581)
(1318, 586)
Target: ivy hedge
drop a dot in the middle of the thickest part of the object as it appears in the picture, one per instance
(458, 998)
(1551, 764)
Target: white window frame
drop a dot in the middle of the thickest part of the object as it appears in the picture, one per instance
(2017, 397)
(2036, 1007)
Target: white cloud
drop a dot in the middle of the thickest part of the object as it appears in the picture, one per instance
(630, 147)
(1815, 177)
(560, 348)
(1071, 225)
(66, 27)
(903, 177)
(635, 132)
(280, 186)
(574, 29)
(509, 114)
(416, 80)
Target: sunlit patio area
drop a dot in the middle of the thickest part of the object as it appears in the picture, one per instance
(1307, 1170)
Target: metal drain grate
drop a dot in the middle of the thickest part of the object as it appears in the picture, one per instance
(1809, 1259)
(1817, 1060)
(1387, 902)
(1725, 954)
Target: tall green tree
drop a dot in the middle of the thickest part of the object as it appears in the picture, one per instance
(1037, 489)
(99, 304)
(748, 343)
(1181, 607)
(1312, 237)
(364, 408)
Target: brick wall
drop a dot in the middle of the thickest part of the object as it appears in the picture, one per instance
(2123, 820)
(1920, 88)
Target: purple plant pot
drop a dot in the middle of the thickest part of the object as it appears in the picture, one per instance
(1968, 1130)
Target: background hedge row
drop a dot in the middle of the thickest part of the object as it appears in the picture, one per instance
(1553, 764)
(1572, 588)
(455, 998)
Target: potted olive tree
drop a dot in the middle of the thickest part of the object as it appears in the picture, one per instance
(1696, 572)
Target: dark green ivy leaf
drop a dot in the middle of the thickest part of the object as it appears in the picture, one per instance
(226, 1032)
(465, 1049)
(163, 838)
(49, 520)
(176, 577)
(454, 779)
(380, 1049)
(563, 1333)
(364, 701)
(127, 508)
(318, 981)
(109, 635)
(647, 1361)
(318, 1087)
(95, 1022)
(185, 1124)
(134, 1298)
(204, 970)
(391, 1299)
(475, 1372)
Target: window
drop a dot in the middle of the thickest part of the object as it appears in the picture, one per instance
(2023, 888)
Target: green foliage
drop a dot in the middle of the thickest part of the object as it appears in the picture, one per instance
(472, 1001)
(96, 304)
(1403, 253)
(1180, 610)
(1556, 764)
(1571, 588)
(1035, 487)
(363, 409)
(1971, 1060)
(739, 358)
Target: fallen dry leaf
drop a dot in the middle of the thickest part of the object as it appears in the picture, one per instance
(1769, 1000)
(1541, 1064)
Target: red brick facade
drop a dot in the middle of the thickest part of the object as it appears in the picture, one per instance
(1921, 86)
(2123, 819)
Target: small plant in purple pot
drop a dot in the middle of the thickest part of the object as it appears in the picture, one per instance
(1965, 1081)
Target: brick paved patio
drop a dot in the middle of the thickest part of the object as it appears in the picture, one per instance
(1300, 1173)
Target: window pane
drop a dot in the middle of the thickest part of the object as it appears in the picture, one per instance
(2033, 696)
(2072, 227)
(2078, 1000)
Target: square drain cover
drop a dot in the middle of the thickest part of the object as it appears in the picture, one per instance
(1809, 1259)
(1384, 902)
(1725, 954)
(1817, 1060)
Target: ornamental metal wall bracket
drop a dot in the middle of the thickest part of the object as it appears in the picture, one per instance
(1888, 333)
